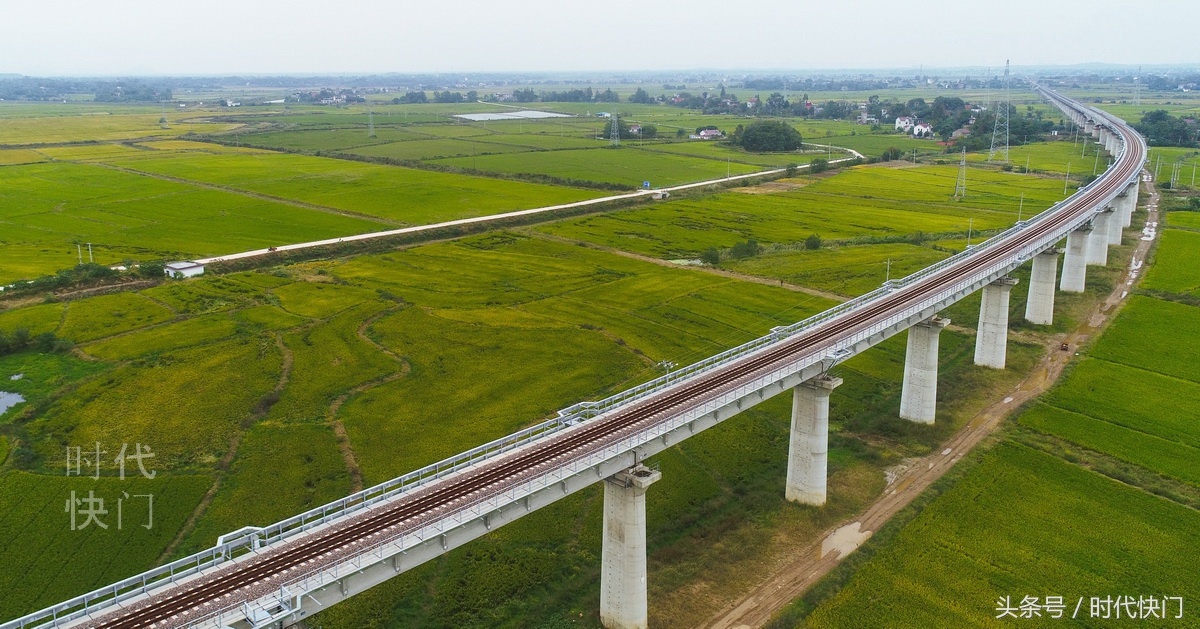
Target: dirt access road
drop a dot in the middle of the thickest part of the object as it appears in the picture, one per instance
(757, 607)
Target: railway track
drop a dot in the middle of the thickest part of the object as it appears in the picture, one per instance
(195, 598)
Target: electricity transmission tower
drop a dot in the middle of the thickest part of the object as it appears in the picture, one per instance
(614, 134)
(960, 187)
(1137, 88)
(1000, 129)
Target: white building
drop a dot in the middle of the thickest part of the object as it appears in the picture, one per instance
(187, 268)
(904, 122)
(922, 130)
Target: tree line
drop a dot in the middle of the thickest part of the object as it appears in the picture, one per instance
(1162, 129)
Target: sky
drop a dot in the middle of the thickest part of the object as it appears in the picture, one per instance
(221, 37)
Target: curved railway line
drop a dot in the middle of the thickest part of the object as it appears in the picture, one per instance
(190, 600)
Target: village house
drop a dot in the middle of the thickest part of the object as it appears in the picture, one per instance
(922, 130)
(904, 123)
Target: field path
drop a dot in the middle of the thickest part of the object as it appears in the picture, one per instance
(339, 429)
(285, 373)
(703, 269)
(758, 606)
(254, 195)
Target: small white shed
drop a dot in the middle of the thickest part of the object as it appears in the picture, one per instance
(187, 268)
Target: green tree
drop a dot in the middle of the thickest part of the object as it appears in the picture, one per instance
(641, 96)
(154, 270)
(1163, 129)
(769, 135)
(812, 242)
(818, 165)
(711, 256)
(747, 249)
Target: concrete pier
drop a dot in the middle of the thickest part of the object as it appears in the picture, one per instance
(623, 570)
(808, 452)
(1075, 263)
(1039, 308)
(1130, 196)
(1116, 222)
(1097, 247)
(918, 396)
(991, 337)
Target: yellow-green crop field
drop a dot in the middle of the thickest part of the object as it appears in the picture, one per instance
(284, 388)
(419, 354)
(403, 196)
(871, 202)
(620, 166)
(1021, 524)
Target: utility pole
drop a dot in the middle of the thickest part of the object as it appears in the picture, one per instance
(79, 250)
(90, 258)
(1096, 164)
(1021, 208)
(1067, 179)
(1157, 164)
(970, 228)
(370, 123)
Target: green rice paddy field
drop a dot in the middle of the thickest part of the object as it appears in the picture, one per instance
(288, 387)
(1039, 515)
(872, 202)
(264, 368)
